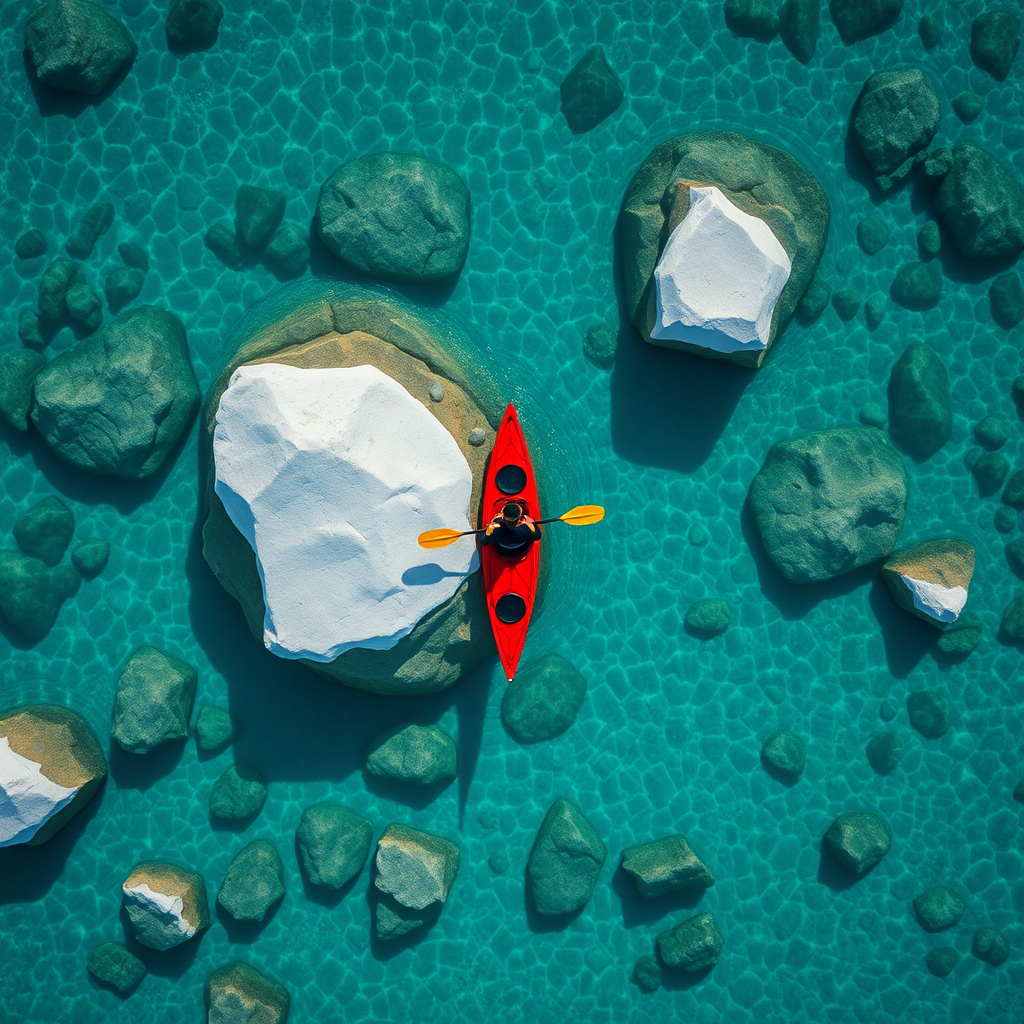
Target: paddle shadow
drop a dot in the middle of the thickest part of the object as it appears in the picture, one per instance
(427, 575)
(28, 873)
(637, 910)
(668, 409)
(905, 637)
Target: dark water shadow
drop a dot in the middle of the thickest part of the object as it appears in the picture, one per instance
(164, 963)
(233, 825)
(16, 638)
(28, 873)
(637, 910)
(247, 931)
(52, 101)
(681, 981)
(140, 771)
(857, 166)
(668, 409)
(773, 771)
(832, 874)
(906, 638)
(795, 600)
(408, 793)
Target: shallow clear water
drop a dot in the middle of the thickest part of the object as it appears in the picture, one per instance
(668, 738)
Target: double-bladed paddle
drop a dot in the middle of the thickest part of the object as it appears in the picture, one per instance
(581, 515)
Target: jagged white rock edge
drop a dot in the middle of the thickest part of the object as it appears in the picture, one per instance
(414, 877)
(28, 799)
(156, 917)
(719, 277)
(336, 545)
(944, 604)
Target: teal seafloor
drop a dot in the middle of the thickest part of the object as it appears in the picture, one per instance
(668, 738)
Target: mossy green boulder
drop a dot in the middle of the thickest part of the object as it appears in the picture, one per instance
(828, 502)
(707, 618)
(590, 92)
(565, 861)
(783, 751)
(995, 40)
(1011, 627)
(941, 960)
(991, 946)
(861, 19)
(153, 700)
(917, 286)
(116, 966)
(333, 843)
(32, 593)
(666, 865)
(254, 882)
(19, 368)
(938, 908)
(692, 947)
(884, 752)
(45, 530)
(857, 841)
(239, 994)
(543, 700)
(90, 557)
(424, 755)
(960, 638)
(239, 794)
(214, 729)
(118, 402)
(930, 713)
(258, 213)
(1006, 297)
(920, 401)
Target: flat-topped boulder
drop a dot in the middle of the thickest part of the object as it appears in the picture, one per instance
(421, 755)
(931, 580)
(331, 474)
(51, 766)
(750, 288)
(666, 865)
(409, 620)
(692, 947)
(166, 904)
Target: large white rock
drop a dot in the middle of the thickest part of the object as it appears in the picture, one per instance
(943, 604)
(331, 475)
(158, 918)
(719, 277)
(28, 799)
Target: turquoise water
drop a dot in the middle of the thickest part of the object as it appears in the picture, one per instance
(668, 738)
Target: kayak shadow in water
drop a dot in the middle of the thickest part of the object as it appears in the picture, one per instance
(668, 409)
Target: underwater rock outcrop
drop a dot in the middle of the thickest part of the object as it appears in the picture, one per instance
(995, 40)
(193, 24)
(239, 994)
(153, 700)
(45, 530)
(931, 580)
(861, 19)
(32, 593)
(784, 752)
(759, 180)
(692, 947)
(214, 729)
(116, 966)
(920, 401)
(51, 766)
(254, 882)
(543, 700)
(666, 865)
(334, 843)
(166, 904)
(239, 794)
(397, 216)
(565, 861)
(829, 502)
(322, 326)
(858, 841)
(424, 755)
(19, 368)
(590, 92)
(938, 908)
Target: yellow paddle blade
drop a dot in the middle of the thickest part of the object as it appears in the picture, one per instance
(438, 538)
(583, 515)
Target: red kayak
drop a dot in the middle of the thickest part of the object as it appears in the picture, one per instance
(510, 581)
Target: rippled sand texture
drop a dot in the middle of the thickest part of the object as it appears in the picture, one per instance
(668, 738)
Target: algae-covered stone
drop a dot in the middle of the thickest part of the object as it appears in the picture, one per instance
(829, 502)
(396, 215)
(1011, 627)
(929, 241)
(814, 301)
(666, 865)
(239, 793)
(981, 202)
(1006, 297)
(960, 638)
(258, 213)
(846, 303)
(115, 965)
(784, 751)
(600, 345)
(77, 46)
(884, 752)
(894, 119)
(123, 286)
(222, 241)
(707, 618)
(543, 700)
(990, 945)
(872, 415)
(1013, 494)
(873, 233)
(1005, 519)
(118, 401)
(693, 946)
(590, 92)
(930, 713)
(91, 227)
(917, 286)
(287, 254)
(931, 29)
(647, 973)
(166, 903)
(759, 180)
(941, 960)
(860, 19)
(422, 754)
(32, 593)
(931, 580)
(30, 245)
(153, 700)
(757, 19)
(967, 106)
(18, 370)
(193, 24)
(565, 861)
(1015, 556)
(858, 840)
(90, 557)
(29, 330)
(254, 882)
(214, 728)
(415, 874)
(799, 27)
(939, 908)
(992, 431)
(990, 471)
(239, 994)
(874, 310)
(51, 766)
(920, 401)
(995, 40)
(84, 305)
(58, 276)
(334, 843)
(45, 530)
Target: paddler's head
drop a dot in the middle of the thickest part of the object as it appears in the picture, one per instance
(512, 513)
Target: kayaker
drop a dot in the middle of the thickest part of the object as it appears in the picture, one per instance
(512, 531)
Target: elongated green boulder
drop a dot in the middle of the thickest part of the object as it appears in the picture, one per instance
(254, 882)
(424, 755)
(334, 843)
(153, 700)
(920, 401)
(565, 861)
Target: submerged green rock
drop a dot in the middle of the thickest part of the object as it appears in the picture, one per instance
(214, 728)
(757, 19)
(917, 286)
(254, 882)
(858, 841)
(91, 227)
(990, 471)
(18, 370)
(693, 946)
(565, 861)
(115, 965)
(961, 637)
(707, 618)
(1011, 628)
(938, 908)
(193, 24)
(239, 994)
(153, 700)
(665, 865)
(421, 754)
(930, 713)
(990, 945)
(258, 213)
(1006, 297)
(45, 530)
(873, 233)
(647, 973)
(543, 700)
(334, 843)
(920, 401)
(784, 751)
(941, 960)
(799, 27)
(590, 92)
(884, 752)
(995, 40)
(32, 593)
(90, 557)
(239, 793)
(860, 19)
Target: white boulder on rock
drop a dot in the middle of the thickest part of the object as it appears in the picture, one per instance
(943, 604)
(720, 275)
(28, 799)
(331, 474)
